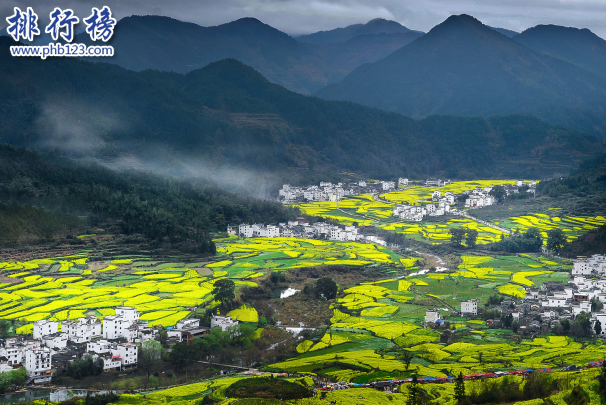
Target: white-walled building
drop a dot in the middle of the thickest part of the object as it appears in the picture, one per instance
(223, 322)
(127, 353)
(45, 327)
(245, 230)
(82, 330)
(38, 363)
(56, 340)
(432, 315)
(12, 349)
(129, 313)
(187, 323)
(469, 307)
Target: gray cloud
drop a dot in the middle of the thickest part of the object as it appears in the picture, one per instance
(299, 17)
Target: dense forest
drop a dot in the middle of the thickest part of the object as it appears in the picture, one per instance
(228, 115)
(587, 181)
(46, 195)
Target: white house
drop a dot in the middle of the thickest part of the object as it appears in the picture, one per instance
(56, 340)
(82, 330)
(128, 313)
(13, 351)
(469, 307)
(44, 327)
(388, 185)
(38, 363)
(223, 322)
(187, 323)
(99, 347)
(116, 327)
(127, 353)
(245, 230)
(432, 315)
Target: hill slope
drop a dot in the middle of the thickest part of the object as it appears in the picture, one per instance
(228, 115)
(46, 196)
(461, 67)
(579, 46)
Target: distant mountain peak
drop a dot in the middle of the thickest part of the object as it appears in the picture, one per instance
(344, 34)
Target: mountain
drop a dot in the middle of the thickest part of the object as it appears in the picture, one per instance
(227, 118)
(376, 26)
(579, 46)
(163, 43)
(504, 31)
(461, 67)
(45, 196)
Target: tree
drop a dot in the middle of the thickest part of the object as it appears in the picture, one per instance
(499, 193)
(413, 391)
(150, 354)
(182, 354)
(596, 305)
(407, 357)
(11, 378)
(471, 237)
(556, 239)
(582, 325)
(327, 288)
(459, 389)
(163, 337)
(457, 235)
(224, 290)
(598, 327)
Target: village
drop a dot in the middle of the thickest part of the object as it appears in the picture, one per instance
(552, 308)
(441, 204)
(114, 340)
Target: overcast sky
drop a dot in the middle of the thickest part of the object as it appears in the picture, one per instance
(301, 17)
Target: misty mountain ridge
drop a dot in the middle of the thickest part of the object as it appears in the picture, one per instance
(376, 26)
(462, 67)
(578, 46)
(227, 118)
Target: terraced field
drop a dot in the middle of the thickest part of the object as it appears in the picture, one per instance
(71, 287)
(366, 210)
(573, 227)
(374, 324)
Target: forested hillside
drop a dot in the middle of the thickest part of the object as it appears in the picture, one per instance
(42, 196)
(228, 115)
(462, 67)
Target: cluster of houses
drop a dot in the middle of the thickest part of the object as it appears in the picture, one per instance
(114, 339)
(328, 191)
(297, 228)
(440, 205)
(301, 228)
(543, 308)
